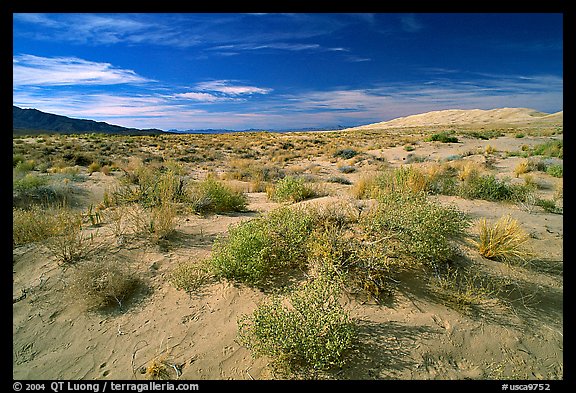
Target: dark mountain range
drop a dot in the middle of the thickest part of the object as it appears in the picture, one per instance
(33, 121)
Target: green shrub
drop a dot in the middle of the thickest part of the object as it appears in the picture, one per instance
(403, 179)
(189, 275)
(555, 170)
(70, 244)
(346, 153)
(548, 149)
(150, 186)
(363, 265)
(33, 189)
(489, 188)
(256, 248)
(338, 179)
(416, 228)
(212, 196)
(444, 137)
(291, 189)
(548, 206)
(306, 331)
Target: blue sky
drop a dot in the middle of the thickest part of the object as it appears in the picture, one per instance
(280, 71)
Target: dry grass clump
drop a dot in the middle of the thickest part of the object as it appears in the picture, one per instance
(463, 289)
(31, 225)
(157, 369)
(190, 275)
(502, 240)
(70, 243)
(103, 284)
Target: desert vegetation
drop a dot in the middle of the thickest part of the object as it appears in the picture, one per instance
(320, 252)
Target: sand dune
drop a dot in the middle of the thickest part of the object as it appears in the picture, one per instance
(511, 116)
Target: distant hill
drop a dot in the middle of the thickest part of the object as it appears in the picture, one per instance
(33, 121)
(477, 117)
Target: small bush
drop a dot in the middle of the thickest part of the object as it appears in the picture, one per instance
(489, 188)
(522, 167)
(338, 179)
(291, 189)
(256, 248)
(405, 178)
(444, 137)
(94, 167)
(415, 227)
(555, 170)
(346, 153)
(548, 206)
(364, 265)
(365, 187)
(347, 169)
(190, 275)
(212, 196)
(35, 224)
(548, 149)
(463, 289)
(308, 330)
(502, 240)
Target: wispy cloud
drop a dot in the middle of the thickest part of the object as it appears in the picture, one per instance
(229, 87)
(410, 23)
(58, 71)
(201, 97)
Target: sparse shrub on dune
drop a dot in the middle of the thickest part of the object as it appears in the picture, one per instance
(291, 189)
(490, 188)
(444, 137)
(304, 332)
(213, 196)
(364, 267)
(346, 153)
(254, 249)
(190, 275)
(419, 229)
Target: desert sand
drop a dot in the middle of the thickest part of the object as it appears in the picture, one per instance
(410, 336)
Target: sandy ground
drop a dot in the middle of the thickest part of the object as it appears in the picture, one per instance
(413, 336)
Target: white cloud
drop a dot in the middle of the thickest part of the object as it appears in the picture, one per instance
(226, 87)
(202, 97)
(30, 70)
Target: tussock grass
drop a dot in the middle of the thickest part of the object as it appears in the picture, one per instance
(502, 240)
